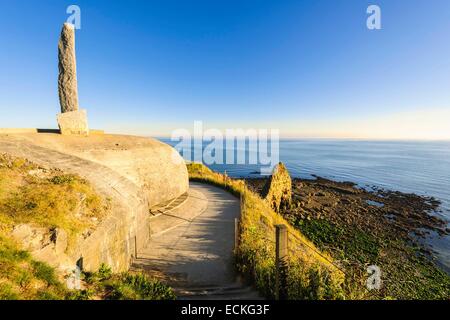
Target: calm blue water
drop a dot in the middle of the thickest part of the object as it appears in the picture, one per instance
(413, 167)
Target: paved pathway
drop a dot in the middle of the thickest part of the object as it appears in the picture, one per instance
(192, 246)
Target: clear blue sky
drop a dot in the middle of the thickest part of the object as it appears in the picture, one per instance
(310, 68)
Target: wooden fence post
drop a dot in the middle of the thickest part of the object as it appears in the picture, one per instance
(281, 246)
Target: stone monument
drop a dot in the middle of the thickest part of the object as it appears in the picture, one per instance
(71, 120)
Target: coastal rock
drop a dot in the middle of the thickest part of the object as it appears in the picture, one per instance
(67, 80)
(278, 189)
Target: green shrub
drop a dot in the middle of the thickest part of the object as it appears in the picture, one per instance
(104, 272)
(84, 294)
(138, 287)
(125, 286)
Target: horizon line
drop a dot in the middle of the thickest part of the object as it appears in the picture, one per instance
(334, 138)
(6, 130)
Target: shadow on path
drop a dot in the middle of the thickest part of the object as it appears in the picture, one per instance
(196, 256)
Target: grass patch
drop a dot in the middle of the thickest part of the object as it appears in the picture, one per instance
(104, 284)
(21, 277)
(47, 198)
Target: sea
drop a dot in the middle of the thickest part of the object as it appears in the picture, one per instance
(420, 167)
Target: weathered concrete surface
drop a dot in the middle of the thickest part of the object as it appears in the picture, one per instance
(113, 242)
(73, 122)
(150, 164)
(67, 79)
(191, 247)
(37, 130)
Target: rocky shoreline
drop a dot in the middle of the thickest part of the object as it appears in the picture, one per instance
(362, 227)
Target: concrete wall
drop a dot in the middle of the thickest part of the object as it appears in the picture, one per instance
(135, 173)
(150, 164)
(114, 240)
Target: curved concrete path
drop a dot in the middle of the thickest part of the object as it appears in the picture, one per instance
(191, 247)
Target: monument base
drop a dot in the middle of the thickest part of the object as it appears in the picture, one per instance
(73, 123)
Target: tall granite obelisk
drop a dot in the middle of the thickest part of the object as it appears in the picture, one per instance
(67, 80)
(71, 120)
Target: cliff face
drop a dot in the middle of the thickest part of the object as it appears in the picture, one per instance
(278, 189)
(133, 173)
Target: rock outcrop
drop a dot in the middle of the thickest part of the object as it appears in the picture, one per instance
(45, 244)
(278, 189)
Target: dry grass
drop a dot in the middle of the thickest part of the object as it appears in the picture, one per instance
(47, 198)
